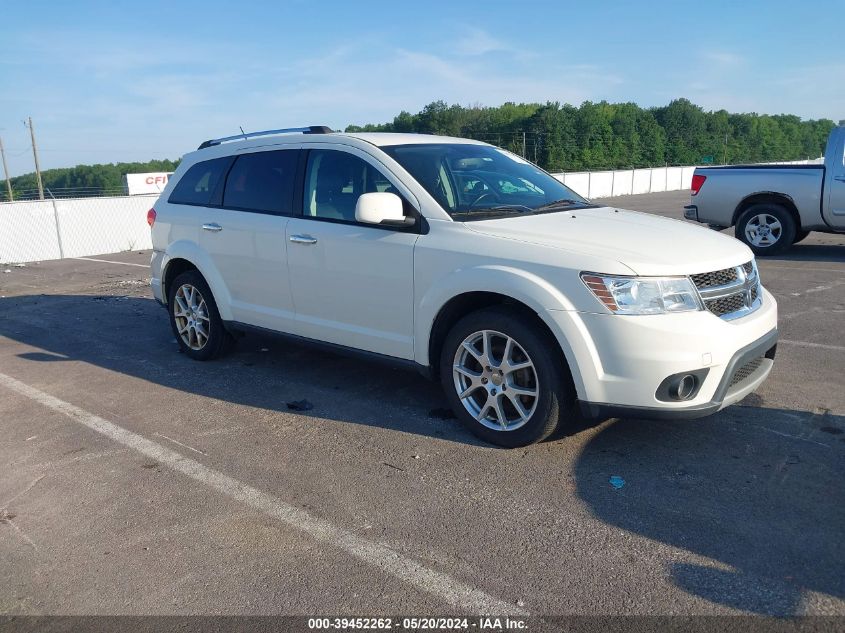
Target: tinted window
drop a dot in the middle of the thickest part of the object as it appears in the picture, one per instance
(334, 181)
(199, 182)
(262, 182)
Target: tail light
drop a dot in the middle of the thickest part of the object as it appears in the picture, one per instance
(697, 181)
(151, 217)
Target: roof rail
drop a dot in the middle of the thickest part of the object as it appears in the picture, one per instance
(311, 129)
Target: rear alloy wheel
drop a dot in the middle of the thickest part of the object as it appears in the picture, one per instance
(190, 312)
(768, 229)
(503, 379)
(194, 317)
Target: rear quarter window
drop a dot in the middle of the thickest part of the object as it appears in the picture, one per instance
(200, 182)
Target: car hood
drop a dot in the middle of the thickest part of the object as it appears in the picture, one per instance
(645, 243)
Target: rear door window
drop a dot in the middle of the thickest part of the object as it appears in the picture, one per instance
(262, 182)
(199, 183)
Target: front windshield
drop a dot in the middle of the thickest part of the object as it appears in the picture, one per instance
(474, 182)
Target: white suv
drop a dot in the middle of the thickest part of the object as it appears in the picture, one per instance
(531, 304)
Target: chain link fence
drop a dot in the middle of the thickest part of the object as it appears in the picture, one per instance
(74, 227)
(20, 195)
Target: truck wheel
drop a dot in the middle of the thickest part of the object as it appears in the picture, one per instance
(768, 229)
(194, 318)
(800, 235)
(503, 379)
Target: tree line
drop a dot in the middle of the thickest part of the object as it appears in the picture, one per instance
(620, 135)
(83, 180)
(558, 137)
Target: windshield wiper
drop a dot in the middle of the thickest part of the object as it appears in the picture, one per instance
(497, 210)
(563, 202)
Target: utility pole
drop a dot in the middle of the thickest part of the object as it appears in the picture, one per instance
(35, 155)
(524, 148)
(725, 159)
(6, 171)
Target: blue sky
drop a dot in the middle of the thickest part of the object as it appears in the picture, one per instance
(118, 81)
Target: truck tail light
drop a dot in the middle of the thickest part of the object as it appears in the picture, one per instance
(697, 181)
(151, 217)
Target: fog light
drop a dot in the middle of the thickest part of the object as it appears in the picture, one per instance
(682, 386)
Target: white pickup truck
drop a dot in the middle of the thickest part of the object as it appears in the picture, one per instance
(774, 206)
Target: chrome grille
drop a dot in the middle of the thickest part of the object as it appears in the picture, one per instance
(726, 305)
(731, 292)
(745, 371)
(716, 278)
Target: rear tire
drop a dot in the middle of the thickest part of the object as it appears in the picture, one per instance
(194, 318)
(767, 229)
(800, 235)
(516, 390)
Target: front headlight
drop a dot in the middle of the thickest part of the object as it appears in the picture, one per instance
(643, 295)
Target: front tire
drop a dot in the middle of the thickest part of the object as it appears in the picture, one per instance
(503, 379)
(194, 318)
(768, 229)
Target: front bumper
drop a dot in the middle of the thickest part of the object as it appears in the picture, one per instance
(733, 387)
(619, 362)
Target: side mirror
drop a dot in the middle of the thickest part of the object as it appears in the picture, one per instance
(381, 208)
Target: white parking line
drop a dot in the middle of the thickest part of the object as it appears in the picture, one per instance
(452, 591)
(108, 261)
(835, 348)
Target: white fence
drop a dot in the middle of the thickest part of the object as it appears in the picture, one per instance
(626, 182)
(604, 184)
(54, 229)
(78, 227)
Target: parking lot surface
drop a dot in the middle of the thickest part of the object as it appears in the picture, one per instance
(137, 481)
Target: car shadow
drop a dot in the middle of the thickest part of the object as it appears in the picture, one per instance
(132, 336)
(738, 494)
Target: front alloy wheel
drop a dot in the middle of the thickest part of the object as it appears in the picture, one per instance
(505, 378)
(495, 380)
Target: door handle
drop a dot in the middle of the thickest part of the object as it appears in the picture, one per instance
(303, 239)
(839, 178)
(213, 226)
